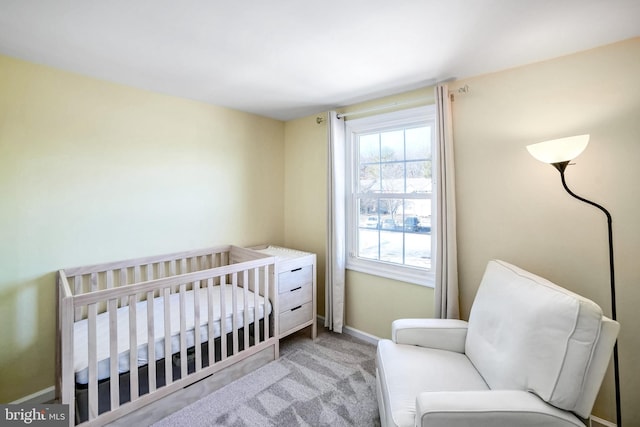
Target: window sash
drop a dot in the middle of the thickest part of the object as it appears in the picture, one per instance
(423, 116)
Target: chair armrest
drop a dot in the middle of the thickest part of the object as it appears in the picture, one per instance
(443, 334)
(491, 408)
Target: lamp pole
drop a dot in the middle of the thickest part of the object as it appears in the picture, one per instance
(561, 166)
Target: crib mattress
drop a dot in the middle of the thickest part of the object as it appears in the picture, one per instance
(80, 340)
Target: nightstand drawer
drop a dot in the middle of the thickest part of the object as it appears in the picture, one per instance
(295, 278)
(295, 316)
(295, 297)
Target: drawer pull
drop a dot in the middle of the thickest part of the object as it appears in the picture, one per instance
(295, 289)
(296, 308)
(296, 269)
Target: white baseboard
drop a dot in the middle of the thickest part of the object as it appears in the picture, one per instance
(39, 397)
(599, 422)
(371, 339)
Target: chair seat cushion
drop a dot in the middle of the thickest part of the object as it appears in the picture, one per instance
(404, 371)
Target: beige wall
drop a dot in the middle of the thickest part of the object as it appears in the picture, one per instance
(92, 171)
(371, 302)
(305, 192)
(512, 207)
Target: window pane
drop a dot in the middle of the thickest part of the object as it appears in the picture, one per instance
(418, 177)
(369, 160)
(368, 238)
(392, 145)
(391, 212)
(368, 207)
(417, 233)
(418, 143)
(421, 208)
(391, 240)
(369, 181)
(418, 250)
(391, 247)
(369, 148)
(368, 243)
(392, 177)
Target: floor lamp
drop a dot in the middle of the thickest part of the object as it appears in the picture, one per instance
(558, 153)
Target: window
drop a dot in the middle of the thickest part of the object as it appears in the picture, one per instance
(389, 194)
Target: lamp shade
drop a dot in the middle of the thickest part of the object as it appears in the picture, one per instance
(559, 150)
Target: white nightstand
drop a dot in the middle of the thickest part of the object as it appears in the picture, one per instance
(296, 289)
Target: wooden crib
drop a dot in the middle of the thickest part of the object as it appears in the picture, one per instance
(131, 332)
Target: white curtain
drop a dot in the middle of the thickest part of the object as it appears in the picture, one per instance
(336, 255)
(446, 287)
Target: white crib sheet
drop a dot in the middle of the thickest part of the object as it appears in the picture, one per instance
(80, 340)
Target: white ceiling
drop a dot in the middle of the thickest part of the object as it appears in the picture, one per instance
(291, 58)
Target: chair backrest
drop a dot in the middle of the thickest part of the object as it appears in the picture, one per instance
(525, 333)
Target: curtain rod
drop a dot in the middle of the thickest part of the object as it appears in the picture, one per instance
(462, 90)
(385, 107)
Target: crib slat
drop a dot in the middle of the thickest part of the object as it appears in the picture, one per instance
(183, 331)
(123, 282)
(109, 278)
(168, 370)
(223, 318)
(67, 356)
(234, 308)
(245, 307)
(151, 341)
(172, 272)
(114, 384)
(210, 334)
(256, 305)
(77, 290)
(137, 274)
(265, 300)
(92, 341)
(196, 325)
(215, 260)
(94, 282)
(161, 269)
(133, 348)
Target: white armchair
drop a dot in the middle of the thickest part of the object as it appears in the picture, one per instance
(532, 354)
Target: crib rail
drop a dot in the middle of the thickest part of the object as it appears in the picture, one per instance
(122, 273)
(85, 292)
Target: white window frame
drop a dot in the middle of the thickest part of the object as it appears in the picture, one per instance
(380, 122)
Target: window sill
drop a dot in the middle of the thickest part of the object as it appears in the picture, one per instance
(391, 271)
